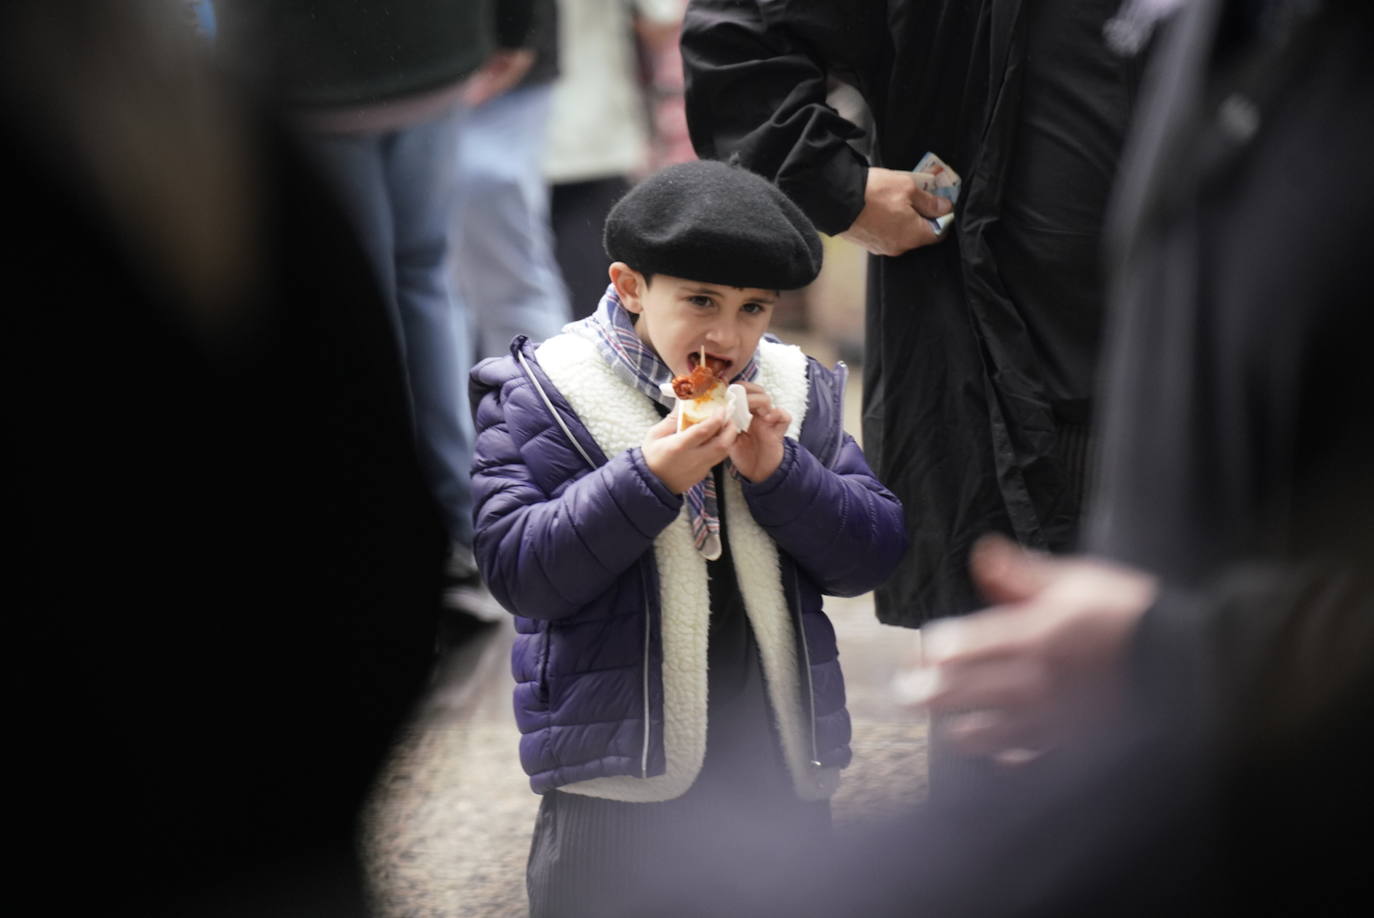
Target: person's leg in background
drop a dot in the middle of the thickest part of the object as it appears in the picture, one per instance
(503, 246)
(421, 178)
(355, 166)
(402, 189)
(503, 266)
(579, 210)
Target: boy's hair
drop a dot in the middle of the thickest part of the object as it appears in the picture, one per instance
(710, 222)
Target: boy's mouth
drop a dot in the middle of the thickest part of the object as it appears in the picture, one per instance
(715, 363)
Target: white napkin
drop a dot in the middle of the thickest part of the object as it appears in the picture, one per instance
(736, 404)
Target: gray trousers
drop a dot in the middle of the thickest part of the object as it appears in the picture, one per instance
(696, 855)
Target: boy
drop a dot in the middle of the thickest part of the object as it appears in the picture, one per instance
(678, 684)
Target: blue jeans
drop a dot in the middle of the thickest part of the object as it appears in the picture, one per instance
(503, 246)
(401, 190)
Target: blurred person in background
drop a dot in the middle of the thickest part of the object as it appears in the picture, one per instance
(981, 342)
(981, 350)
(381, 93)
(669, 140)
(506, 278)
(225, 581)
(504, 264)
(599, 136)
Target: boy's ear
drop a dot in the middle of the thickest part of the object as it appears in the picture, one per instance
(629, 283)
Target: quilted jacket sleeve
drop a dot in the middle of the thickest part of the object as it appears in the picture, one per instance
(551, 533)
(839, 523)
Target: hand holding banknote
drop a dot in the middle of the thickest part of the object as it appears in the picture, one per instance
(897, 213)
(1044, 664)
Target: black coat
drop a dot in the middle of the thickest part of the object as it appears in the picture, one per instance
(962, 414)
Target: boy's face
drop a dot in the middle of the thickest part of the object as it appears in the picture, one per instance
(677, 317)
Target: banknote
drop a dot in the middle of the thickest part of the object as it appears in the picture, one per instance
(944, 182)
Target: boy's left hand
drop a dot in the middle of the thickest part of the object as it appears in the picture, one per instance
(757, 452)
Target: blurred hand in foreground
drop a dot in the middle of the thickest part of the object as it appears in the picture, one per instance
(1044, 662)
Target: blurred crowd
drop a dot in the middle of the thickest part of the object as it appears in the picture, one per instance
(478, 169)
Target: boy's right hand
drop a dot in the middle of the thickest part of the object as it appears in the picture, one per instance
(680, 460)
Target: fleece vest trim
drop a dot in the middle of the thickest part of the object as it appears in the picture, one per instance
(618, 417)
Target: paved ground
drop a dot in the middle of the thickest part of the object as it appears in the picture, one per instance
(453, 816)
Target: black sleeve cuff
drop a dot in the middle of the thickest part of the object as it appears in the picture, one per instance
(514, 23)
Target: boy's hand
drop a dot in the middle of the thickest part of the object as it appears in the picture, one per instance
(680, 460)
(758, 452)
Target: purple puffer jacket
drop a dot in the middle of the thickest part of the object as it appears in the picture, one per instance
(565, 537)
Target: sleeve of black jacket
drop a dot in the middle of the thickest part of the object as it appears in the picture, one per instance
(756, 81)
(514, 22)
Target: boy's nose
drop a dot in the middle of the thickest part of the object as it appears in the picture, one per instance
(722, 336)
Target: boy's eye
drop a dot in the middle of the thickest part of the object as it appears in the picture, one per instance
(698, 299)
(752, 309)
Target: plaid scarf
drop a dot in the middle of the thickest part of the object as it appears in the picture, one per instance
(612, 329)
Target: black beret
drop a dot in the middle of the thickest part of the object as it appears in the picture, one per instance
(708, 221)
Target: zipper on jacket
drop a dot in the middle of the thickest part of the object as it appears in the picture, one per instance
(648, 623)
(548, 403)
(842, 370)
(806, 666)
(644, 588)
(544, 638)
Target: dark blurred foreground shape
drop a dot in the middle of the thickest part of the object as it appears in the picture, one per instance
(223, 558)
(1238, 430)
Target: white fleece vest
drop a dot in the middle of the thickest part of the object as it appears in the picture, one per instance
(618, 416)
